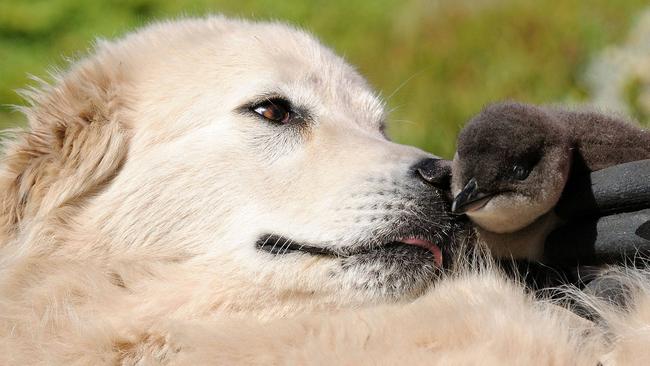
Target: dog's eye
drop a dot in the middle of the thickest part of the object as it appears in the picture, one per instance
(275, 110)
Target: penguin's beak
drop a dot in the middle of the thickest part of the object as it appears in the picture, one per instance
(470, 198)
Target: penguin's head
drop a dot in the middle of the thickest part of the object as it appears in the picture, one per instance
(510, 167)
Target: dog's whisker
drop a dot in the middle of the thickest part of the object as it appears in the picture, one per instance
(400, 86)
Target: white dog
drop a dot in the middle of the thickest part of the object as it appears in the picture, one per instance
(202, 170)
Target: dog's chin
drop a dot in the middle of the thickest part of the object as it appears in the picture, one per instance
(394, 271)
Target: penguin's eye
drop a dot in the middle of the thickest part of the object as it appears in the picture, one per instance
(519, 172)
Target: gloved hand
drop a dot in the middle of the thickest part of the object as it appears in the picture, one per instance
(607, 215)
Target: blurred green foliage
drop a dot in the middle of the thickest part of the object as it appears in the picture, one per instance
(437, 62)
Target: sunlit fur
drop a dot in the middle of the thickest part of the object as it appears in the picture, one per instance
(131, 205)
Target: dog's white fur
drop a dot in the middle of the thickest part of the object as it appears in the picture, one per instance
(132, 203)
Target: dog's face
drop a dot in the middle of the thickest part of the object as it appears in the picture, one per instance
(261, 155)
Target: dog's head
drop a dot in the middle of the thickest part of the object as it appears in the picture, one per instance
(246, 149)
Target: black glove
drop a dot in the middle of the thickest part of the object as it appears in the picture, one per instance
(608, 217)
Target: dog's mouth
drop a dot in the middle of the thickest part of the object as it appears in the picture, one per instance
(280, 245)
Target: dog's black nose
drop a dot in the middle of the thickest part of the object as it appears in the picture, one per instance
(436, 172)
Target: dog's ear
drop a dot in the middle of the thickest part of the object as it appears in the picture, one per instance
(75, 143)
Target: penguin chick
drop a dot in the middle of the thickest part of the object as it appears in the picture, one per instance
(513, 160)
(510, 167)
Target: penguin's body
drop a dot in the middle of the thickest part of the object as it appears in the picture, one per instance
(513, 160)
(602, 140)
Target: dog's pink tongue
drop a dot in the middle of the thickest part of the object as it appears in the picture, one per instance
(437, 253)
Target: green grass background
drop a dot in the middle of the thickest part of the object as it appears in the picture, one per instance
(437, 62)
